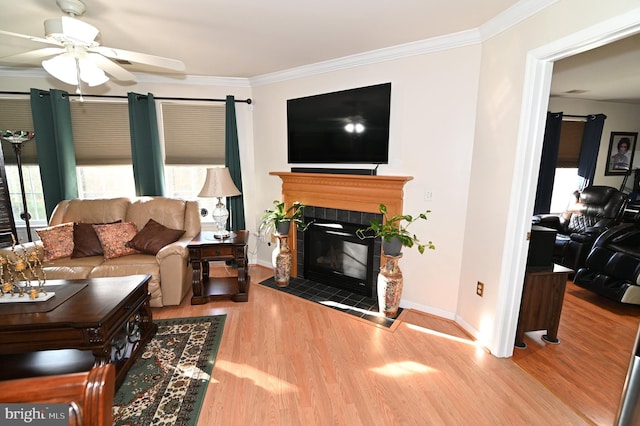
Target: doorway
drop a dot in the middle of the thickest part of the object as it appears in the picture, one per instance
(538, 74)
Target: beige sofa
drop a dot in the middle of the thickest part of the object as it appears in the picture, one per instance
(169, 269)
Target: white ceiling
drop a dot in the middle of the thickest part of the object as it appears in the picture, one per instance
(610, 73)
(242, 38)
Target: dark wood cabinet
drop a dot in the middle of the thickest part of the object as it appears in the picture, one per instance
(204, 248)
(541, 304)
(7, 224)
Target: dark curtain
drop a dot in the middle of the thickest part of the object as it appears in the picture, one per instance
(232, 161)
(548, 162)
(54, 140)
(146, 153)
(590, 147)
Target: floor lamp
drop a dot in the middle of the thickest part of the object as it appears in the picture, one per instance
(17, 138)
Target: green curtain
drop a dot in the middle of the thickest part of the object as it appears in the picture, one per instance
(146, 154)
(232, 161)
(54, 140)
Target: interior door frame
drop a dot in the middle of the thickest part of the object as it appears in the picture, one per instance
(536, 90)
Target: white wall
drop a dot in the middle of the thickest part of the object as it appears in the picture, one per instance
(431, 138)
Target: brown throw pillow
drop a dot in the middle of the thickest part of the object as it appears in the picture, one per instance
(113, 238)
(153, 237)
(57, 241)
(85, 240)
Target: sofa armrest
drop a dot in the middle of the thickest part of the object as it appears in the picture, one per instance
(549, 220)
(175, 271)
(176, 248)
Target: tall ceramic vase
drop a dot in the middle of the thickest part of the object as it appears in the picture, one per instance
(390, 286)
(282, 256)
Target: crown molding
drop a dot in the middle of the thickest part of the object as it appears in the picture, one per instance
(451, 41)
(514, 15)
(500, 23)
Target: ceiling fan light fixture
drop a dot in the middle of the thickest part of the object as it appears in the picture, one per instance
(91, 74)
(64, 68)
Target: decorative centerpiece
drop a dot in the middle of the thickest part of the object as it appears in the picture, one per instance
(19, 274)
(394, 234)
(276, 222)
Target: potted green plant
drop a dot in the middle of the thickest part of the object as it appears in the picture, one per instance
(276, 222)
(394, 233)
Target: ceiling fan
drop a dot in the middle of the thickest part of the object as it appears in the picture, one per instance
(77, 56)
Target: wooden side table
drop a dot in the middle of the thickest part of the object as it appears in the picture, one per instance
(204, 249)
(541, 304)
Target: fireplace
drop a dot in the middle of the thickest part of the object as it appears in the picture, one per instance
(330, 252)
(344, 199)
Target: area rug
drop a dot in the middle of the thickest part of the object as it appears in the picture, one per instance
(167, 383)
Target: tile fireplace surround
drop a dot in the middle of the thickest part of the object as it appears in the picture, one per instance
(345, 192)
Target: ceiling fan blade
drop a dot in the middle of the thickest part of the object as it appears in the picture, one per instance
(111, 68)
(33, 55)
(141, 58)
(32, 38)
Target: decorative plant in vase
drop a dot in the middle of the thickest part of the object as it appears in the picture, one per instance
(394, 232)
(276, 222)
(395, 235)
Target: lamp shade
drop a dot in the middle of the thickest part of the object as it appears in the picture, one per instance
(218, 184)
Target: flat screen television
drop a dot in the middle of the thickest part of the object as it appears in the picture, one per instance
(349, 126)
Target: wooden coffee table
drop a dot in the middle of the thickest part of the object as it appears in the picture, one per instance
(106, 320)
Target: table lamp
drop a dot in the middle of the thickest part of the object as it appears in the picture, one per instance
(218, 184)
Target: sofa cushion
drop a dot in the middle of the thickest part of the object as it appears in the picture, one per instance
(168, 211)
(57, 241)
(91, 211)
(153, 237)
(85, 240)
(113, 238)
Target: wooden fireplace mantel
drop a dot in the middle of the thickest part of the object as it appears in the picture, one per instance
(345, 192)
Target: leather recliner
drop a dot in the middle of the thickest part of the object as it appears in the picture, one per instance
(612, 268)
(589, 213)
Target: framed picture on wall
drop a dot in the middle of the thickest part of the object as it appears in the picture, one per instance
(622, 145)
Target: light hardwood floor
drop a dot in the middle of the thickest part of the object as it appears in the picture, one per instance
(588, 368)
(287, 361)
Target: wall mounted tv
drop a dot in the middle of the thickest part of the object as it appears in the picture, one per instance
(349, 126)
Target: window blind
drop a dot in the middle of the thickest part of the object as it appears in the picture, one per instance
(571, 136)
(101, 133)
(193, 133)
(15, 114)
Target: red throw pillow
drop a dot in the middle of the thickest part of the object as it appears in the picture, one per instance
(153, 237)
(113, 238)
(57, 241)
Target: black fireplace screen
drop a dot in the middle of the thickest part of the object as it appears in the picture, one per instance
(335, 256)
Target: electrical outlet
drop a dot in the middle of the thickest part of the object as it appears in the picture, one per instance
(480, 289)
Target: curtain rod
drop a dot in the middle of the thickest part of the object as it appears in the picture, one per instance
(163, 98)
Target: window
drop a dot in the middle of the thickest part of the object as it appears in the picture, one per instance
(33, 194)
(566, 179)
(192, 134)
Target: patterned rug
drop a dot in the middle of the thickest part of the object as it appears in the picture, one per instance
(167, 383)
